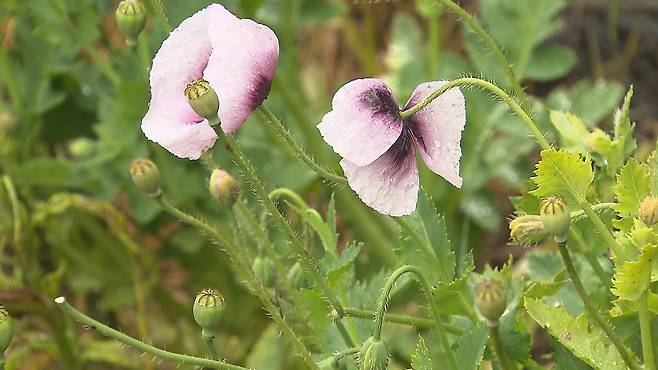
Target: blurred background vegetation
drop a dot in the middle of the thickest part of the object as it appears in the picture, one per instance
(72, 97)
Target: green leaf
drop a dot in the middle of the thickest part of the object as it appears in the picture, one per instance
(591, 101)
(470, 348)
(420, 359)
(573, 132)
(624, 127)
(565, 360)
(632, 280)
(652, 162)
(585, 340)
(335, 266)
(313, 218)
(268, 353)
(563, 173)
(633, 185)
(406, 68)
(549, 62)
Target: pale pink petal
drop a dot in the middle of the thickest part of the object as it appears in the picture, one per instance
(180, 60)
(440, 125)
(241, 67)
(387, 185)
(364, 121)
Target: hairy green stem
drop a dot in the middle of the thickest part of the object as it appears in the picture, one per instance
(491, 44)
(156, 7)
(646, 327)
(243, 267)
(427, 290)
(291, 195)
(470, 81)
(139, 345)
(343, 333)
(426, 247)
(419, 322)
(498, 349)
(335, 363)
(625, 354)
(210, 344)
(296, 150)
(258, 186)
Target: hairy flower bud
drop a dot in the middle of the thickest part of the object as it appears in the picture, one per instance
(264, 270)
(527, 230)
(146, 176)
(131, 19)
(490, 299)
(203, 100)
(649, 211)
(208, 308)
(555, 215)
(6, 329)
(223, 188)
(373, 355)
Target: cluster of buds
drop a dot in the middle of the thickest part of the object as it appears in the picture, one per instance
(553, 220)
(207, 310)
(374, 355)
(491, 300)
(131, 19)
(6, 330)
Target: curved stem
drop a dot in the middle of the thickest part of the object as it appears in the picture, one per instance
(628, 358)
(297, 151)
(419, 322)
(139, 345)
(645, 332)
(287, 193)
(491, 44)
(258, 186)
(427, 290)
(156, 7)
(210, 344)
(498, 350)
(243, 267)
(470, 81)
(344, 334)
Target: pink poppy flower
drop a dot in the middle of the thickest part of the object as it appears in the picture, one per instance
(236, 56)
(379, 147)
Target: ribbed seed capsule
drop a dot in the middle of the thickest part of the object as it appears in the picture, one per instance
(131, 19)
(649, 211)
(146, 176)
(555, 215)
(208, 308)
(203, 100)
(490, 299)
(6, 329)
(527, 230)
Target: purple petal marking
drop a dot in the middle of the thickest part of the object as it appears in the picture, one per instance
(389, 185)
(438, 129)
(364, 121)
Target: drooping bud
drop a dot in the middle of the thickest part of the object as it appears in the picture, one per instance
(207, 310)
(203, 100)
(264, 270)
(527, 230)
(374, 355)
(6, 329)
(649, 211)
(223, 188)
(131, 19)
(146, 176)
(491, 300)
(555, 215)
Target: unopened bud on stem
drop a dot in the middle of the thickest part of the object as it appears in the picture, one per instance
(649, 211)
(146, 176)
(555, 215)
(131, 19)
(203, 100)
(223, 188)
(6, 330)
(527, 230)
(491, 300)
(374, 355)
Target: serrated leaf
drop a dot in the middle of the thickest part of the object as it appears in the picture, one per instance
(573, 132)
(334, 266)
(632, 280)
(585, 340)
(652, 162)
(268, 353)
(420, 359)
(633, 184)
(470, 348)
(563, 173)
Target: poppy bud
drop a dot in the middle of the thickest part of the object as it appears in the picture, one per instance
(555, 215)
(373, 355)
(223, 188)
(490, 299)
(6, 330)
(649, 211)
(7, 122)
(208, 308)
(131, 19)
(527, 230)
(264, 270)
(146, 176)
(203, 100)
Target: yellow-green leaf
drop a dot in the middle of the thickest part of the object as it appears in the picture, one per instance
(633, 184)
(563, 173)
(632, 280)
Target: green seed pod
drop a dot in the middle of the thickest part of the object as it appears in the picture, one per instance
(131, 19)
(203, 100)
(373, 355)
(555, 215)
(223, 188)
(6, 329)
(264, 270)
(527, 230)
(649, 211)
(491, 300)
(208, 308)
(146, 176)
